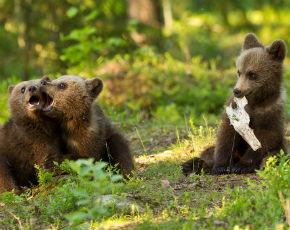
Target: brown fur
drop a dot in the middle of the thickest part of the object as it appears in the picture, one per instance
(27, 138)
(260, 71)
(196, 165)
(86, 131)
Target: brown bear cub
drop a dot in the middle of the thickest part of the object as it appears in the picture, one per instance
(85, 129)
(260, 76)
(27, 138)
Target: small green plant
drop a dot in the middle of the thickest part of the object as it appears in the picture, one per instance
(90, 183)
(9, 198)
(260, 202)
(44, 177)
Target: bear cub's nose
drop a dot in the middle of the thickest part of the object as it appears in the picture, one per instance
(43, 82)
(237, 92)
(32, 89)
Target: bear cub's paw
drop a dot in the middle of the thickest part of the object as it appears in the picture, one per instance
(187, 167)
(242, 169)
(194, 165)
(220, 170)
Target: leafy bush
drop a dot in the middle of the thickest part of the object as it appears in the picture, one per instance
(156, 84)
(88, 47)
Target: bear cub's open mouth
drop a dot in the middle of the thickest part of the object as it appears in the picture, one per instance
(34, 100)
(44, 99)
(47, 102)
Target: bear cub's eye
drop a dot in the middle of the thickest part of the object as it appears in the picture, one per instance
(62, 85)
(22, 89)
(239, 73)
(253, 76)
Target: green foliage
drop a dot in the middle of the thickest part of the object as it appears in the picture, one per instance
(88, 48)
(9, 198)
(260, 202)
(89, 177)
(31, 32)
(44, 178)
(165, 87)
(188, 70)
(54, 204)
(4, 111)
(76, 197)
(11, 202)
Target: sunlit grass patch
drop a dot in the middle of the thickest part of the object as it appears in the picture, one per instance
(199, 138)
(118, 222)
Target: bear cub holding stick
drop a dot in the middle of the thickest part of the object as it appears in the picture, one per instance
(260, 76)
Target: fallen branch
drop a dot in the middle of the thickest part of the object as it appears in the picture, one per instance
(240, 119)
(13, 215)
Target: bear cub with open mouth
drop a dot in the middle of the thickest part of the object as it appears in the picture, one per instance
(28, 138)
(85, 129)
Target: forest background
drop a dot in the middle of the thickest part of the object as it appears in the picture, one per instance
(166, 59)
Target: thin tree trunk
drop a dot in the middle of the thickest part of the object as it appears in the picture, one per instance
(22, 13)
(167, 14)
(145, 11)
(26, 37)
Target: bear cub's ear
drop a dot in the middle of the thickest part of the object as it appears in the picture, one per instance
(10, 89)
(251, 41)
(277, 50)
(46, 78)
(94, 86)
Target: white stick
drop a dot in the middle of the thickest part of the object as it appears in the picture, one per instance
(240, 119)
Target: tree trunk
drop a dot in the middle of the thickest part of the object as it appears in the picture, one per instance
(23, 14)
(26, 37)
(167, 14)
(147, 12)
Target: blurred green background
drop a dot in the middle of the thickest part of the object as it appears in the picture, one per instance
(162, 59)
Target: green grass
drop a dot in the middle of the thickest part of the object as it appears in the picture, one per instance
(163, 197)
